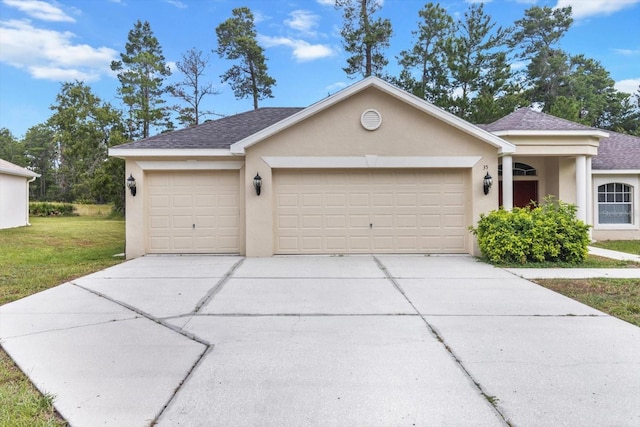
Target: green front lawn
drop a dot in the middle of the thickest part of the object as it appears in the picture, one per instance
(50, 252)
(55, 250)
(617, 297)
(591, 261)
(628, 246)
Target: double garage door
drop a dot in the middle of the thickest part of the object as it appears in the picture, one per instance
(193, 212)
(384, 211)
(320, 211)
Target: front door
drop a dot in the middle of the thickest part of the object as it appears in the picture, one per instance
(523, 193)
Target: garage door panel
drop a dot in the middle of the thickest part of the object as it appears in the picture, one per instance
(370, 211)
(193, 212)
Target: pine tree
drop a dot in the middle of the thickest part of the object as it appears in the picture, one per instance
(363, 37)
(141, 72)
(424, 67)
(237, 41)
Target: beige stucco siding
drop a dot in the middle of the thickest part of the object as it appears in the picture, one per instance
(337, 132)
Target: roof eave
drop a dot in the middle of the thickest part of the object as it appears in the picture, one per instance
(595, 133)
(124, 153)
(502, 145)
(615, 171)
(26, 174)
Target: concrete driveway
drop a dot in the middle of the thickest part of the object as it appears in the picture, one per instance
(305, 340)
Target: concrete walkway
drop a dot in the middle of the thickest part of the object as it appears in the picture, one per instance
(606, 253)
(585, 273)
(359, 340)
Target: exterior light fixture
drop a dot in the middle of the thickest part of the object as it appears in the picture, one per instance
(131, 184)
(257, 183)
(488, 182)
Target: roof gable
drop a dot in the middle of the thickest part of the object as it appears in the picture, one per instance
(424, 106)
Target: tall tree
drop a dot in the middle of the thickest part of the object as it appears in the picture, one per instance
(237, 41)
(84, 128)
(363, 37)
(40, 149)
(11, 149)
(141, 72)
(424, 67)
(191, 89)
(536, 36)
(477, 61)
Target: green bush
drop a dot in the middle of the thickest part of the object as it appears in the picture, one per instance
(51, 209)
(549, 232)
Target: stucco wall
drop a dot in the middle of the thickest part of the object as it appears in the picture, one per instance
(13, 201)
(337, 131)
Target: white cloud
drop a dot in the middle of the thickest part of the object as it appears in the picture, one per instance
(40, 10)
(303, 21)
(627, 52)
(628, 86)
(586, 8)
(51, 55)
(326, 2)
(303, 51)
(259, 16)
(61, 74)
(176, 3)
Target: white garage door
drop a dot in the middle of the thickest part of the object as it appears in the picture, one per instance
(370, 212)
(193, 212)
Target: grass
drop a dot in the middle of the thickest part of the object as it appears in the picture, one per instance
(20, 403)
(56, 250)
(50, 252)
(591, 261)
(617, 297)
(628, 246)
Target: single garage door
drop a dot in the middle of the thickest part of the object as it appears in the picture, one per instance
(193, 212)
(384, 211)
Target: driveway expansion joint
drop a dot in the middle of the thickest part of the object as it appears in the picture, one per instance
(491, 400)
(191, 370)
(217, 287)
(146, 315)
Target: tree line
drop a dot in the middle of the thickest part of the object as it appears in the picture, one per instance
(463, 66)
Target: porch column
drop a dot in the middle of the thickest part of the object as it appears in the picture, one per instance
(589, 193)
(581, 187)
(507, 182)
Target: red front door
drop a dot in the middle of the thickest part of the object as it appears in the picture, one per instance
(523, 193)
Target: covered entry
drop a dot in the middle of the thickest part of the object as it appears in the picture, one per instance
(381, 211)
(193, 212)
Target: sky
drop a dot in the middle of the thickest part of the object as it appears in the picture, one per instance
(46, 42)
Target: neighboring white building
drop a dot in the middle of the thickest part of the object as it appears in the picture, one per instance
(14, 194)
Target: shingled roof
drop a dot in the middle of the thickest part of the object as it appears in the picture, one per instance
(528, 119)
(220, 133)
(619, 151)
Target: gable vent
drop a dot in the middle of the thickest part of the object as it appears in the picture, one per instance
(371, 120)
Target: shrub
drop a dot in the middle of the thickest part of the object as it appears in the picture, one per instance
(51, 209)
(549, 232)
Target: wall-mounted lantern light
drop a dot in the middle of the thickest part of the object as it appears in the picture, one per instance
(257, 183)
(488, 182)
(131, 184)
